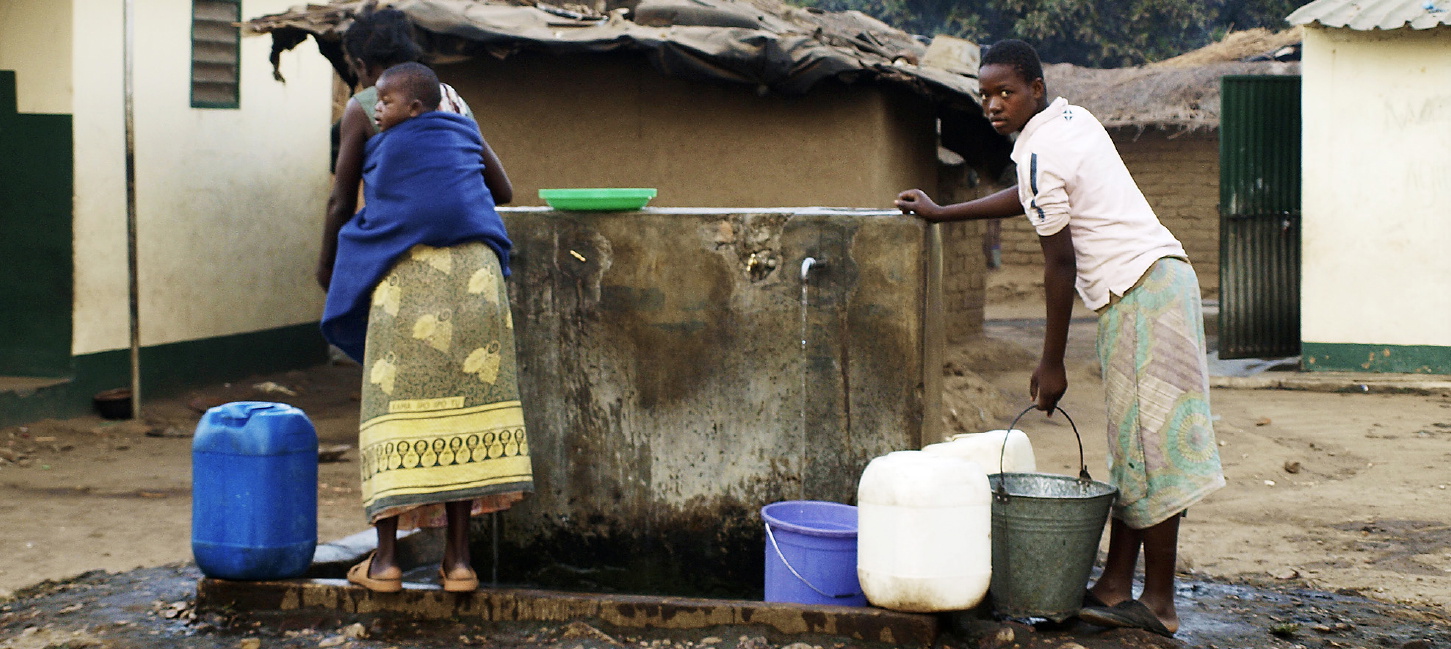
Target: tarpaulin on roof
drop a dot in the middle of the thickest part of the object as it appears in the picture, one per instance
(763, 43)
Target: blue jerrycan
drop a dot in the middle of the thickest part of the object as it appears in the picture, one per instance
(254, 491)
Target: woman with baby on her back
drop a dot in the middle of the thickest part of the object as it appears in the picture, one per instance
(416, 294)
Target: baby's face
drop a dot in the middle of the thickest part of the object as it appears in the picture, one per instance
(394, 105)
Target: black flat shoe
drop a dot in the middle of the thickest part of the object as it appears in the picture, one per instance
(1128, 614)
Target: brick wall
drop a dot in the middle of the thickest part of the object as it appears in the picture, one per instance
(964, 270)
(963, 279)
(1179, 174)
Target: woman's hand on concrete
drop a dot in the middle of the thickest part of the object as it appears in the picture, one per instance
(916, 201)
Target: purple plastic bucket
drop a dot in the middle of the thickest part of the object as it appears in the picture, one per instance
(811, 553)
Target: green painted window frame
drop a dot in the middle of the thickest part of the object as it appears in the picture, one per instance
(216, 53)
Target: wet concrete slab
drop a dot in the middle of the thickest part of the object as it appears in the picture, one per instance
(428, 601)
(158, 608)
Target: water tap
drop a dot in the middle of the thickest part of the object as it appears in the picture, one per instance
(807, 264)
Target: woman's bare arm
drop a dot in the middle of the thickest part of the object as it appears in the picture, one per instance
(995, 206)
(495, 178)
(347, 178)
(1060, 270)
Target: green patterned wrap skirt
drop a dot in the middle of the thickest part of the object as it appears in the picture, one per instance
(1162, 453)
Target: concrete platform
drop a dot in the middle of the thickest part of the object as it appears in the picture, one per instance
(427, 601)
(27, 385)
(1353, 382)
(27, 399)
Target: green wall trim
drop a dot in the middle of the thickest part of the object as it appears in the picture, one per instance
(36, 189)
(170, 369)
(1355, 357)
(9, 96)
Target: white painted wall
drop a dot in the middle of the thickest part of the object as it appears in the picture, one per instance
(229, 202)
(1377, 187)
(35, 42)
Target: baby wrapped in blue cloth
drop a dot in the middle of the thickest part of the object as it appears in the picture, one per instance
(423, 184)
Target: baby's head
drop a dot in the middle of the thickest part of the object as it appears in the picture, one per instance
(405, 91)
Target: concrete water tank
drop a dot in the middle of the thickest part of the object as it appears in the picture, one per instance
(681, 368)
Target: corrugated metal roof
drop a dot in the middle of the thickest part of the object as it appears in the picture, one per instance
(1366, 15)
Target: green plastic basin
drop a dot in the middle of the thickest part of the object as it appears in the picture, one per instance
(608, 199)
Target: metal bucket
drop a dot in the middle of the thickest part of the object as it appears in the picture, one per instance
(1046, 530)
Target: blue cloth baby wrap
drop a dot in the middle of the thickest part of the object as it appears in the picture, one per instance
(422, 184)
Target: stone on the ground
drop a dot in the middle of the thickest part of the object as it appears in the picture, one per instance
(1001, 639)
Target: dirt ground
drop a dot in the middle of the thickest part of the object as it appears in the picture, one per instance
(1345, 493)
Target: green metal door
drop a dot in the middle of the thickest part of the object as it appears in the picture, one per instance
(1259, 217)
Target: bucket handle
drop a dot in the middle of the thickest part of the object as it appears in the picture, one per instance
(1082, 466)
(786, 563)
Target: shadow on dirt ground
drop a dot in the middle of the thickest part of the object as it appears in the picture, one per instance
(154, 607)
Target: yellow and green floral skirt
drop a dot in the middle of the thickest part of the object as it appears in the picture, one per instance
(441, 418)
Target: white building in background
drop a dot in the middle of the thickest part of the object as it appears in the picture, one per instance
(231, 181)
(1376, 293)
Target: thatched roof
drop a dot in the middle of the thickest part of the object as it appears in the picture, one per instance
(762, 43)
(1236, 46)
(1181, 93)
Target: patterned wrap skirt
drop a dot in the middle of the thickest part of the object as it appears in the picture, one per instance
(441, 418)
(1162, 453)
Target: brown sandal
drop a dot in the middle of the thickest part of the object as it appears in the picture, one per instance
(467, 585)
(358, 574)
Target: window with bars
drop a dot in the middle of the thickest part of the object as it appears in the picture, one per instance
(215, 53)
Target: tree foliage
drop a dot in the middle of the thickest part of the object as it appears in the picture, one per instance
(1098, 33)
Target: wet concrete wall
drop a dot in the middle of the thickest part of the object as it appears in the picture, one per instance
(669, 396)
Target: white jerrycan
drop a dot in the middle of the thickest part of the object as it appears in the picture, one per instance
(924, 532)
(1010, 447)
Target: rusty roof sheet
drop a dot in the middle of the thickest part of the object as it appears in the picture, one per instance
(1365, 15)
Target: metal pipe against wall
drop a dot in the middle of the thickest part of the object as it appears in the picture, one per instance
(129, 56)
(934, 339)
